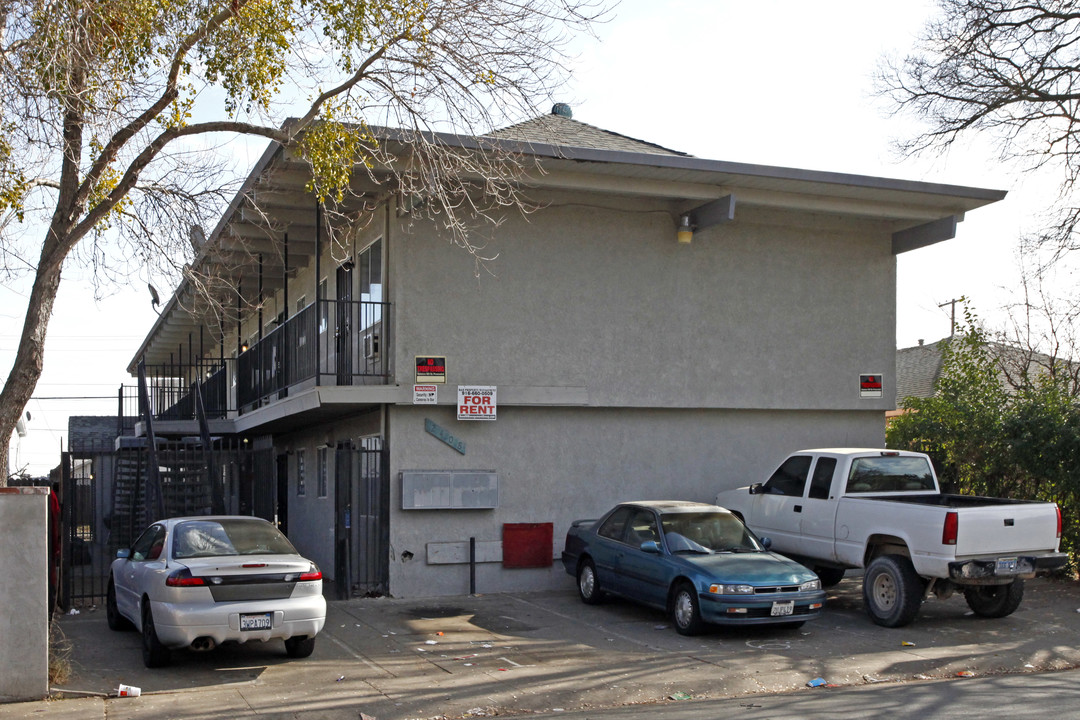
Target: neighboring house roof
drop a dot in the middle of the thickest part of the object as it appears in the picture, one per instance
(566, 132)
(94, 433)
(917, 370)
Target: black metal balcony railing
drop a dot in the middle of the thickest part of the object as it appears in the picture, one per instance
(171, 390)
(341, 345)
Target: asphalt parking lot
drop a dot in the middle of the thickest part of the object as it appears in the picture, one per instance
(546, 652)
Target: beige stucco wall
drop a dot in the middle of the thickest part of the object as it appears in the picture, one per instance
(771, 311)
(698, 367)
(24, 621)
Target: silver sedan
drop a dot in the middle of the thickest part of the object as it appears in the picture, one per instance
(197, 582)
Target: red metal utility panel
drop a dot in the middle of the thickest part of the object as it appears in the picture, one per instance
(527, 545)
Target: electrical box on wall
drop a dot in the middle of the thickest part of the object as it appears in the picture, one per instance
(449, 490)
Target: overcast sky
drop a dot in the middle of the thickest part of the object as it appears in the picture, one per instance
(770, 82)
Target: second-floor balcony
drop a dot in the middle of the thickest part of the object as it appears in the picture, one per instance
(328, 343)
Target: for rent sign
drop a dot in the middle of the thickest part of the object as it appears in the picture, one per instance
(476, 402)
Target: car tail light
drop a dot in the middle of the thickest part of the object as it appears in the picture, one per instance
(1059, 521)
(952, 525)
(183, 578)
(313, 573)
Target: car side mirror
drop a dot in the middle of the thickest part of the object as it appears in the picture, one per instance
(650, 546)
(766, 542)
(757, 489)
(124, 553)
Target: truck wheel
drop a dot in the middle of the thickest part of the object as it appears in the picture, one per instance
(587, 583)
(829, 576)
(892, 591)
(995, 601)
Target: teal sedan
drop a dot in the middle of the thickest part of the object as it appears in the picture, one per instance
(697, 562)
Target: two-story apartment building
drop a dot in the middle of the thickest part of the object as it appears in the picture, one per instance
(662, 326)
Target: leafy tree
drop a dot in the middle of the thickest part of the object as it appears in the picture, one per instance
(989, 438)
(1042, 433)
(110, 111)
(960, 425)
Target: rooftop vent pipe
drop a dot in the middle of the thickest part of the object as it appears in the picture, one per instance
(562, 110)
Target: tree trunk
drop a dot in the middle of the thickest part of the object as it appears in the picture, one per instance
(29, 360)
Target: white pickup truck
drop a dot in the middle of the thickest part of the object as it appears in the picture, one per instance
(883, 510)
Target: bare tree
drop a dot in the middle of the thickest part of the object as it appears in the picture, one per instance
(115, 119)
(1039, 342)
(1005, 69)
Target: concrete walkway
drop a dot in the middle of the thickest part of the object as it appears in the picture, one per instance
(548, 653)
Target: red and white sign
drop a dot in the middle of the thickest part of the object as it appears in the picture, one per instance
(425, 394)
(476, 402)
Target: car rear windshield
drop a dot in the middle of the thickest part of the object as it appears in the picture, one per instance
(213, 538)
(890, 473)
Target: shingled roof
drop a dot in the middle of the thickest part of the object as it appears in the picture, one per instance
(560, 130)
(96, 433)
(917, 370)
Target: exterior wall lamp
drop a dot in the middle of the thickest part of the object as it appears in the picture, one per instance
(711, 213)
(686, 230)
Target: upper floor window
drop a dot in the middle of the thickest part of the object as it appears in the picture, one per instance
(369, 263)
(369, 268)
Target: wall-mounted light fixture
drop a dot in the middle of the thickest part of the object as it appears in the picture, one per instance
(686, 230)
(244, 348)
(711, 213)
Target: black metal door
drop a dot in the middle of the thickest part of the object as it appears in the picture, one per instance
(371, 519)
(343, 489)
(344, 328)
(263, 487)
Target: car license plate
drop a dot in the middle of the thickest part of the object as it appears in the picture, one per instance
(783, 608)
(261, 621)
(1006, 566)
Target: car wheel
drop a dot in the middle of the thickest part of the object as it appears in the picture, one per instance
(995, 601)
(892, 591)
(685, 610)
(154, 654)
(300, 647)
(829, 576)
(112, 613)
(588, 584)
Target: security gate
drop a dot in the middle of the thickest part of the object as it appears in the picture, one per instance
(362, 530)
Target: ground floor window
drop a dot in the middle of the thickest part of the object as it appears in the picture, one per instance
(323, 471)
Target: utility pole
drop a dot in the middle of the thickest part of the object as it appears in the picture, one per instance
(952, 320)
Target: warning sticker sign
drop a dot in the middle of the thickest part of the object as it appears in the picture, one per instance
(476, 402)
(870, 385)
(430, 369)
(425, 394)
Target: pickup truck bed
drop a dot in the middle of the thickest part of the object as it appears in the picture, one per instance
(953, 501)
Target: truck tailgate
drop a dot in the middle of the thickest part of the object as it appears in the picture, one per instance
(1006, 529)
